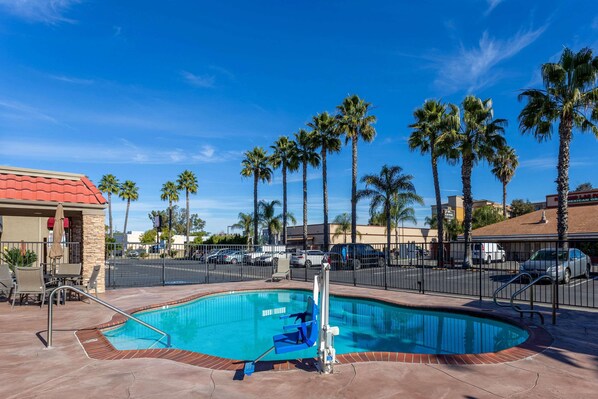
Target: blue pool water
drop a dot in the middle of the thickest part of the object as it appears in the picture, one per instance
(241, 325)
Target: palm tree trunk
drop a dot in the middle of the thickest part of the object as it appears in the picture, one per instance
(255, 215)
(466, 167)
(439, 216)
(565, 128)
(110, 214)
(188, 214)
(504, 199)
(354, 190)
(284, 204)
(169, 225)
(125, 226)
(387, 210)
(304, 205)
(325, 194)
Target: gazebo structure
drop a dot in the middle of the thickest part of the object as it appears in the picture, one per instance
(28, 201)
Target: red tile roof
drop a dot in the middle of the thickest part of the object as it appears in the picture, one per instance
(50, 189)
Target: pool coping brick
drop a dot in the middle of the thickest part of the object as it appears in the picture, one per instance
(97, 346)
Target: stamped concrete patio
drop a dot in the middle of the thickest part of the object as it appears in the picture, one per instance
(567, 369)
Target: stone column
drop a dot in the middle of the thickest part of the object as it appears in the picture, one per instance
(93, 245)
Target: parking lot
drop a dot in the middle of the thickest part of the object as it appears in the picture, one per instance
(419, 276)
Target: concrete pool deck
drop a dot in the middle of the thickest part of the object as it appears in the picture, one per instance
(567, 369)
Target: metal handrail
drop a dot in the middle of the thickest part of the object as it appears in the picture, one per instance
(505, 285)
(97, 300)
(519, 291)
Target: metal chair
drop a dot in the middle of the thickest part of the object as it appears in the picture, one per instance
(282, 269)
(92, 283)
(30, 281)
(6, 281)
(70, 272)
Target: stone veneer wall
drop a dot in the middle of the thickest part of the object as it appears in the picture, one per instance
(93, 247)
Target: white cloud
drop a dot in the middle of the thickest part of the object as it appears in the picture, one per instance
(69, 79)
(203, 81)
(551, 163)
(491, 6)
(23, 110)
(475, 68)
(46, 11)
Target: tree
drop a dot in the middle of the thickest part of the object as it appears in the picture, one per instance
(477, 136)
(245, 222)
(270, 220)
(520, 207)
(170, 193)
(400, 212)
(128, 192)
(109, 184)
(381, 189)
(452, 228)
(430, 135)
(148, 237)
(343, 222)
(570, 96)
(326, 138)
(504, 163)
(284, 156)
(256, 164)
(584, 187)
(355, 123)
(187, 181)
(179, 220)
(486, 215)
(307, 155)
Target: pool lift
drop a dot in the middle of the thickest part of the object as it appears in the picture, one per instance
(313, 328)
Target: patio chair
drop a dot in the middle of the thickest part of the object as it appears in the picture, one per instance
(92, 283)
(30, 281)
(6, 281)
(282, 269)
(68, 272)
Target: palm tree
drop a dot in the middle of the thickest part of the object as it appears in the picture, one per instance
(245, 222)
(570, 96)
(284, 156)
(382, 188)
(476, 137)
(430, 136)
(504, 162)
(128, 192)
(109, 184)
(187, 181)
(399, 214)
(343, 222)
(270, 220)
(355, 123)
(256, 164)
(306, 155)
(170, 193)
(326, 138)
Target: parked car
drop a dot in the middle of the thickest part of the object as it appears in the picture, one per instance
(267, 258)
(571, 263)
(307, 258)
(487, 252)
(233, 257)
(215, 256)
(349, 256)
(156, 248)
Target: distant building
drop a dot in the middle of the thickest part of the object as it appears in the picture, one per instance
(453, 209)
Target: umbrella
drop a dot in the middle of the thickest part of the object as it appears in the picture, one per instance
(56, 250)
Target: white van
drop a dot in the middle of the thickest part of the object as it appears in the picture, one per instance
(488, 252)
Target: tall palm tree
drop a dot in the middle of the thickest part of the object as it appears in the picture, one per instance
(306, 155)
(128, 192)
(270, 220)
(187, 181)
(109, 184)
(401, 212)
(284, 156)
(245, 222)
(381, 189)
(430, 136)
(477, 136)
(343, 222)
(570, 96)
(256, 164)
(504, 163)
(170, 193)
(355, 123)
(326, 138)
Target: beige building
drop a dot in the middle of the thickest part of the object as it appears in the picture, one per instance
(28, 201)
(454, 209)
(366, 234)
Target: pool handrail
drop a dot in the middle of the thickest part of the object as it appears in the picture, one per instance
(531, 311)
(505, 285)
(99, 301)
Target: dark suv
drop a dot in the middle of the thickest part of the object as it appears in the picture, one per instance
(349, 256)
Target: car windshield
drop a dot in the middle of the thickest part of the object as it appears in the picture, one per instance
(549, 254)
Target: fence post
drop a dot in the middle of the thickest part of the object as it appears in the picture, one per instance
(163, 268)
(423, 282)
(480, 273)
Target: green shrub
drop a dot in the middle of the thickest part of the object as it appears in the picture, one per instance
(15, 257)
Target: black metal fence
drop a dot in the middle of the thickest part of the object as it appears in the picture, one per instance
(415, 267)
(36, 254)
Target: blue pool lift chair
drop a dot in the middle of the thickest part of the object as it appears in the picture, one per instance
(296, 336)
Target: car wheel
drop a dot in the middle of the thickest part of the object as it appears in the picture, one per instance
(356, 264)
(488, 260)
(233, 261)
(588, 271)
(307, 263)
(381, 262)
(567, 278)
(503, 259)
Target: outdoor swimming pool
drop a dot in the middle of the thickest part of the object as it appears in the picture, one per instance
(240, 325)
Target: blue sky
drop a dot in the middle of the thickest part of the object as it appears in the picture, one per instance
(146, 89)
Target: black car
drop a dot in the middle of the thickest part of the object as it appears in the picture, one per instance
(349, 256)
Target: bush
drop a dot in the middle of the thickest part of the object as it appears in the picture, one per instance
(15, 257)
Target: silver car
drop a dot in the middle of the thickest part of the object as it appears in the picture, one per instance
(308, 258)
(571, 263)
